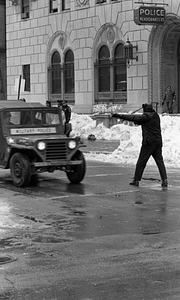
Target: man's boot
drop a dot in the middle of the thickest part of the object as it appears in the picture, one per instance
(134, 182)
(164, 183)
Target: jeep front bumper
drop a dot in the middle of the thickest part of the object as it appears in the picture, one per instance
(56, 163)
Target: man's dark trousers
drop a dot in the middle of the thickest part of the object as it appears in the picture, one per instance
(146, 151)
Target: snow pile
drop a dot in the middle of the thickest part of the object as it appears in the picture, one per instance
(107, 108)
(130, 138)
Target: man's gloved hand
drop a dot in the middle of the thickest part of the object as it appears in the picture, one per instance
(117, 116)
(162, 103)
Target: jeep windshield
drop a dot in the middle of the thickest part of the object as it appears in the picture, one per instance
(32, 121)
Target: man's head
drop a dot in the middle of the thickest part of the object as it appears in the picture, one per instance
(147, 107)
(6, 117)
(48, 103)
(64, 103)
(168, 88)
(59, 102)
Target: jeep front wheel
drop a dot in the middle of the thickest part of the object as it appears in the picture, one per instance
(77, 172)
(20, 169)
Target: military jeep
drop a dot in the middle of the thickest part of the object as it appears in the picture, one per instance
(32, 141)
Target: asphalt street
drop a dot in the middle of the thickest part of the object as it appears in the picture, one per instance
(98, 240)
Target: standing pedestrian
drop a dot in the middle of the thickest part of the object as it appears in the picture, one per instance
(151, 142)
(169, 99)
(67, 111)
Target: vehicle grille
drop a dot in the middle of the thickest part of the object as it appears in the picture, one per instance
(56, 150)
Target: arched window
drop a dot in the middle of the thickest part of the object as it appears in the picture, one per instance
(120, 75)
(104, 69)
(56, 73)
(69, 72)
(110, 75)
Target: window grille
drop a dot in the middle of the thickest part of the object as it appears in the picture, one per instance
(53, 6)
(56, 73)
(104, 69)
(25, 9)
(100, 1)
(69, 72)
(26, 76)
(65, 4)
(120, 76)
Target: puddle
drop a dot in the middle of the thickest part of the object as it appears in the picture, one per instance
(50, 239)
(5, 296)
(6, 259)
(79, 213)
(151, 179)
(31, 218)
(10, 242)
(6, 242)
(151, 231)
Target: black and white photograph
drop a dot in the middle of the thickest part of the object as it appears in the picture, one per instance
(89, 150)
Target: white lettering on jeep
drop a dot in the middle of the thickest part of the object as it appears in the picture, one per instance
(17, 131)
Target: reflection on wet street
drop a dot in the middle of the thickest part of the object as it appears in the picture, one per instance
(8, 220)
(102, 238)
(58, 213)
(5, 219)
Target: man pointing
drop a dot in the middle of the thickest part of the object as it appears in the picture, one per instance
(151, 142)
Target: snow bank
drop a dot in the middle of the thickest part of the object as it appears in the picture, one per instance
(130, 138)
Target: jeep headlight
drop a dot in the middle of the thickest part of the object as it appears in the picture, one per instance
(41, 145)
(72, 144)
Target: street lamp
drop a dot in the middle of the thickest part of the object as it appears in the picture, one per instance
(128, 52)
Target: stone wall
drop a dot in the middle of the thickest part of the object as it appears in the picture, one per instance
(32, 41)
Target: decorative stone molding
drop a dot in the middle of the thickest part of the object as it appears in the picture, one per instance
(62, 40)
(110, 35)
(82, 2)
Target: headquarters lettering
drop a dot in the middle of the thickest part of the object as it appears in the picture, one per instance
(149, 15)
(152, 15)
(150, 19)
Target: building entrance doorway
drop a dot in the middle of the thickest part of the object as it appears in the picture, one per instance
(164, 62)
(171, 64)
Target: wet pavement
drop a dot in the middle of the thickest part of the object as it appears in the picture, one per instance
(99, 240)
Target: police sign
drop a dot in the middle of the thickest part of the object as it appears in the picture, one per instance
(149, 15)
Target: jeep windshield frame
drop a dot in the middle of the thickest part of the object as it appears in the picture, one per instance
(26, 120)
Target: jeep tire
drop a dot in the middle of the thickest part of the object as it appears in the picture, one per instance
(20, 169)
(77, 171)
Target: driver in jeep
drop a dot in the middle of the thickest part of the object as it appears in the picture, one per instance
(7, 118)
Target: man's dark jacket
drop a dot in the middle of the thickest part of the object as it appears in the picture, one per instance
(150, 123)
(67, 112)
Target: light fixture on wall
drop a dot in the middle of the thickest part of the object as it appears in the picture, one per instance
(14, 2)
(129, 53)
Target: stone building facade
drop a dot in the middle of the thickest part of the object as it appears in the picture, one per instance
(3, 83)
(74, 50)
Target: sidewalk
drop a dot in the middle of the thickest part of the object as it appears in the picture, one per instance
(100, 146)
